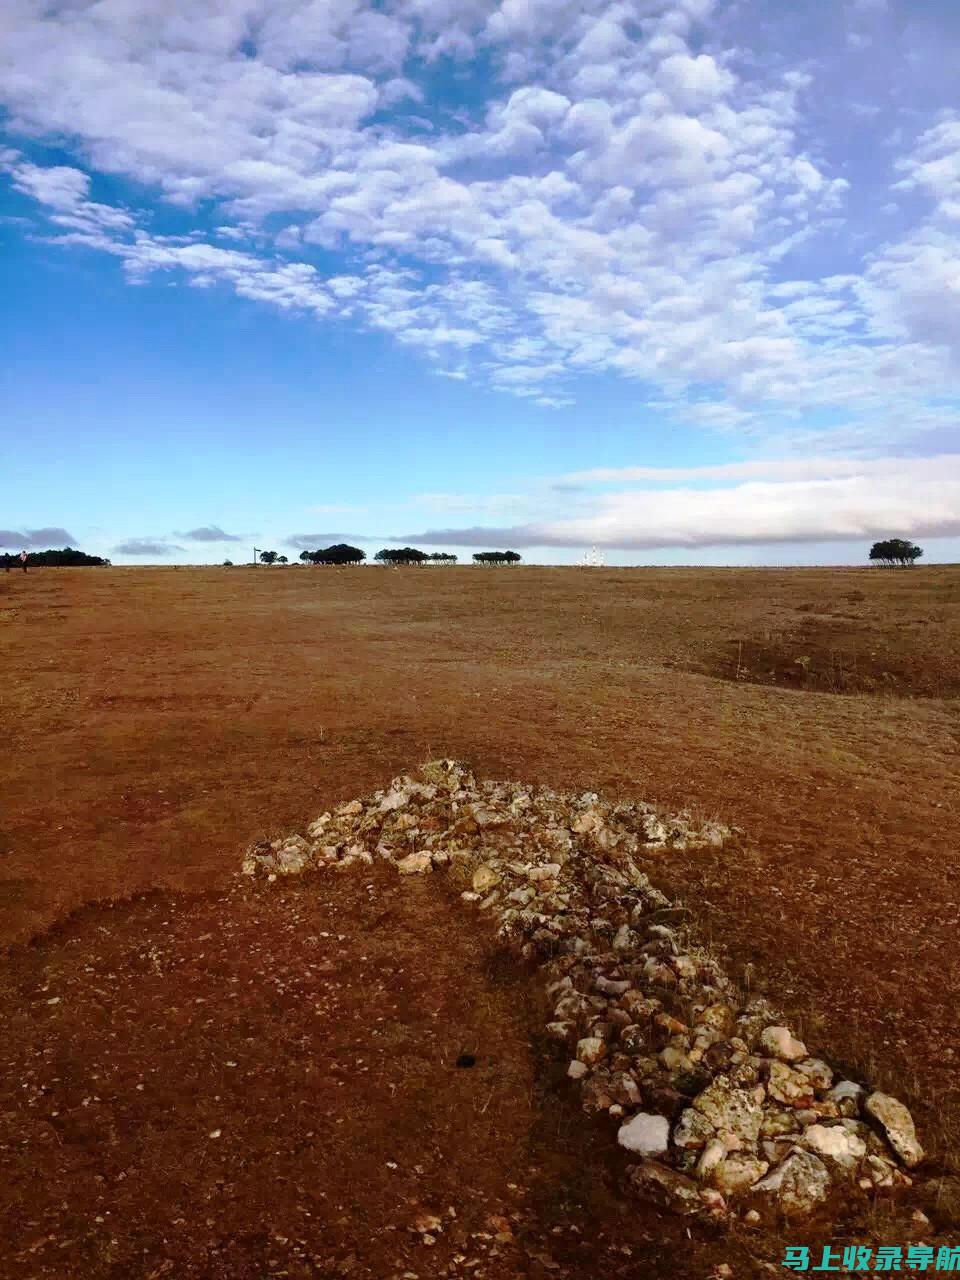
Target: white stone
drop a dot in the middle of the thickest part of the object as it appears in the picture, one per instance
(713, 1153)
(649, 1135)
(779, 1042)
(835, 1142)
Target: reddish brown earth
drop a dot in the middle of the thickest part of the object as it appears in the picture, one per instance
(157, 721)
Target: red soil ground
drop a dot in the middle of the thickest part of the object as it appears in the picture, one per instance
(157, 721)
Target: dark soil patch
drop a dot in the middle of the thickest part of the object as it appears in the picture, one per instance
(835, 654)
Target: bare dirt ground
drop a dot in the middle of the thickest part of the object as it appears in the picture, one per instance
(157, 721)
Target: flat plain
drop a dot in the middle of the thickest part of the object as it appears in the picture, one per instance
(157, 721)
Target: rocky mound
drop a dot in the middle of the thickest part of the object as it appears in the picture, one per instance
(722, 1108)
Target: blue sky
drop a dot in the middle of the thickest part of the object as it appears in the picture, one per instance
(676, 278)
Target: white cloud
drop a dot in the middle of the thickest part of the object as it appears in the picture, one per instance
(620, 200)
(853, 500)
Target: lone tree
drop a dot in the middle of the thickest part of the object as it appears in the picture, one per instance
(895, 551)
(268, 557)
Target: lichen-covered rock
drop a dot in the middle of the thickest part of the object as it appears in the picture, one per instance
(738, 1111)
(835, 1143)
(693, 1130)
(591, 1050)
(897, 1124)
(790, 1087)
(650, 1180)
(798, 1184)
(737, 1173)
(415, 864)
(848, 1097)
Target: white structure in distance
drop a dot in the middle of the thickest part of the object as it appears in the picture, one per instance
(593, 559)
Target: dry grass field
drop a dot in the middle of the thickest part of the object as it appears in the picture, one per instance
(158, 720)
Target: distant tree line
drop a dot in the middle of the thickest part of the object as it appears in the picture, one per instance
(412, 555)
(497, 557)
(343, 553)
(68, 558)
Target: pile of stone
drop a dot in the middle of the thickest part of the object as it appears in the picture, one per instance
(721, 1108)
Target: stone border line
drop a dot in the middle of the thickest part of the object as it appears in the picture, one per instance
(723, 1109)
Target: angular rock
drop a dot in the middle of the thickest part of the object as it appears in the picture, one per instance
(790, 1087)
(897, 1124)
(737, 1173)
(834, 1143)
(646, 1134)
(848, 1097)
(732, 1109)
(415, 864)
(779, 1042)
(652, 1181)
(591, 1050)
(485, 878)
(693, 1130)
(798, 1184)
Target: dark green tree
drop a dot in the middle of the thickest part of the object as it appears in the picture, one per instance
(67, 558)
(496, 557)
(402, 555)
(268, 557)
(895, 551)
